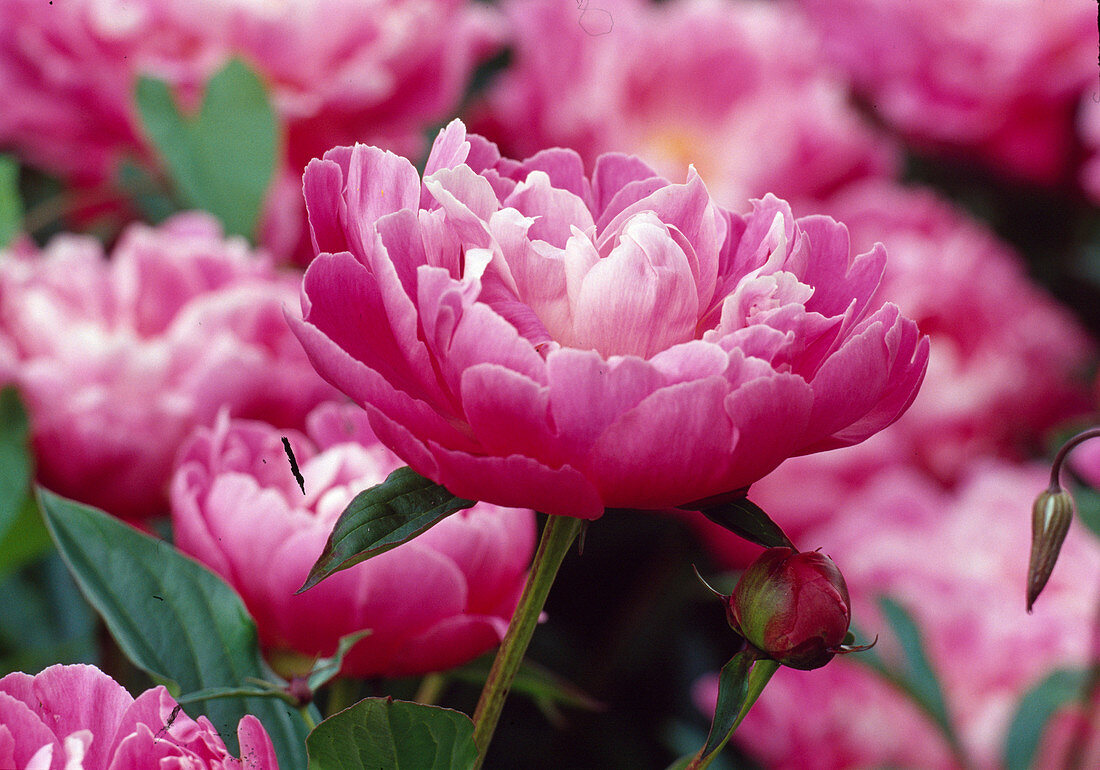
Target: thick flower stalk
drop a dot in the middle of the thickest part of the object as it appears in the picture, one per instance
(77, 717)
(430, 604)
(527, 335)
(119, 358)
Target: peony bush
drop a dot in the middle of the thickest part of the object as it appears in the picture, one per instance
(119, 357)
(527, 335)
(429, 605)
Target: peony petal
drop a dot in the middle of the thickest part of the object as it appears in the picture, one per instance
(510, 413)
(517, 481)
(641, 298)
(556, 211)
(323, 188)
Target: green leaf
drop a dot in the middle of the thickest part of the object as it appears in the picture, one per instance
(11, 205)
(172, 617)
(381, 518)
(739, 685)
(919, 676)
(326, 669)
(534, 681)
(223, 159)
(1087, 501)
(746, 519)
(15, 460)
(384, 734)
(23, 538)
(149, 194)
(1034, 712)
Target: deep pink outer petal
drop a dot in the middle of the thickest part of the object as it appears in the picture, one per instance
(516, 481)
(869, 382)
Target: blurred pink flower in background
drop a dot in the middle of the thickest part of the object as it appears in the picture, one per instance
(1007, 362)
(716, 83)
(1088, 127)
(431, 604)
(76, 717)
(339, 71)
(527, 335)
(996, 79)
(957, 561)
(118, 359)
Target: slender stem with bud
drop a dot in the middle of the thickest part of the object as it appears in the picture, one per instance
(1060, 458)
(1051, 515)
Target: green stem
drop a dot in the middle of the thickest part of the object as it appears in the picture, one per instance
(557, 536)
(431, 687)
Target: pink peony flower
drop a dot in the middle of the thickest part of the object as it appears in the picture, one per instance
(78, 717)
(431, 604)
(750, 107)
(995, 79)
(119, 359)
(957, 561)
(527, 335)
(339, 71)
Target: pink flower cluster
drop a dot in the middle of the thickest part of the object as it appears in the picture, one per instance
(430, 604)
(723, 85)
(957, 562)
(340, 70)
(528, 335)
(73, 717)
(999, 79)
(118, 359)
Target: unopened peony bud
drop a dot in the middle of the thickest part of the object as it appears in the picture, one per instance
(793, 606)
(1050, 518)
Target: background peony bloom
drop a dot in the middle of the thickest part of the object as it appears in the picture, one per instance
(431, 604)
(755, 112)
(958, 562)
(1088, 128)
(340, 71)
(999, 79)
(1008, 363)
(527, 335)
(78, 717)
(119, 359)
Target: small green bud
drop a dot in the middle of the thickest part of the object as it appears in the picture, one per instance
(793, 606)
(1050, 518)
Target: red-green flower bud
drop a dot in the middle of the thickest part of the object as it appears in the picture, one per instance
(1050, 519)
(793, 606)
